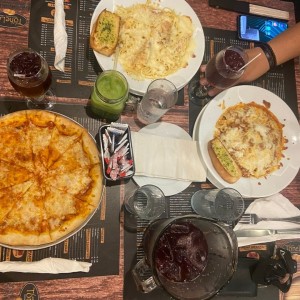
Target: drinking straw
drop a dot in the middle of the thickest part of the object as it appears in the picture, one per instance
(250, 61)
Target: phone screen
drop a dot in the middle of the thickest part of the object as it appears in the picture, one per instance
(253, 28)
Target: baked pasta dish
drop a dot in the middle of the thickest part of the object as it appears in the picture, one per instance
(153, 42)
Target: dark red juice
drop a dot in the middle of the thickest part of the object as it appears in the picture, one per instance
(181, 252)
(222, 71)
(29, 75)
(234, 60)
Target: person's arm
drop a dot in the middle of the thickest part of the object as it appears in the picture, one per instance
(285, 47)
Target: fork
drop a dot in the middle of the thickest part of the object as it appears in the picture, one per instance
(254, 219)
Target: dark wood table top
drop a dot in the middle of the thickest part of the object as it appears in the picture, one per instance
(111, 287)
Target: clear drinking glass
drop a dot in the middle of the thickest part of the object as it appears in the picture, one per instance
(222, 71)
(30, 75)
(161, 95)
(146, 202)
(225, 204)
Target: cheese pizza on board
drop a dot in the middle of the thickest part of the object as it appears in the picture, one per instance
(51, 179)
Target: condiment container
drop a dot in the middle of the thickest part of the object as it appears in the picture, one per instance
(116, 151)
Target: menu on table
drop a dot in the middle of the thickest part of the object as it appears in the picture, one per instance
(96, 242)
(81, 66)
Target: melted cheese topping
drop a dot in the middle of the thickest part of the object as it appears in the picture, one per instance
(153, 42)
(253, 136)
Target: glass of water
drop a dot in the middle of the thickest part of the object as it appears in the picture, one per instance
(226, 205)
(146, 202)
(161, 95)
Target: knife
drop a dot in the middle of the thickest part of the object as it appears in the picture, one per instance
(264, 232)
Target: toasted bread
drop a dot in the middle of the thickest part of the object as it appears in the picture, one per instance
(223, 162)
(105, 33)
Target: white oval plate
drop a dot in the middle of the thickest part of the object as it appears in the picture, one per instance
(251, 187)
(168, 186)
(182, 76)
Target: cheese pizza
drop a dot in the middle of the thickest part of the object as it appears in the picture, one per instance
(154, 42)
(253, 136)
(50, 177)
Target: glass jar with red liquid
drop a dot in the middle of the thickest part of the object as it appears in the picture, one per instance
(190, 257)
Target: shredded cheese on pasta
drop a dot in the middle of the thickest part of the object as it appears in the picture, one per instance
(153, 42)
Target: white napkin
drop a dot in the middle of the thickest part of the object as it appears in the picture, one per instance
(60, 36)
(170, 158)
(276, 206)
(47, 265)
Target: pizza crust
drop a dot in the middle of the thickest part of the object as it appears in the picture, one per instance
(18, 239)
(52, 178)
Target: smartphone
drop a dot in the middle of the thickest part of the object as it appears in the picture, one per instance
(259, 29)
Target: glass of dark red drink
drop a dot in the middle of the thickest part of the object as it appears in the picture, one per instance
(190, 257)
(222, 71)
(30, 75)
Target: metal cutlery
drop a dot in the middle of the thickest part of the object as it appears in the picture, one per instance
(254, 219)
(264, 232)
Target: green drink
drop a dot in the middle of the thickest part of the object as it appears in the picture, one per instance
(109, 95)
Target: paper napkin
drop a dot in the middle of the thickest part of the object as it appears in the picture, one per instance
(276, 206)
(60, 36)
(48, 265)
(169, 158)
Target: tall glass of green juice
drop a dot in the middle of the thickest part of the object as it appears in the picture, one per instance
(109, 95)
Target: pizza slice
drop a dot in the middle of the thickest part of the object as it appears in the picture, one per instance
(89, 146)
(93, 193)
(26, 223)
(11, 196)
(40, 129)
(65, 212)
(11, 174)
(83, 153)
(65, 133)
(15, 146)
(73, 182)
(74, 158)
(86, 183)
(16, 119)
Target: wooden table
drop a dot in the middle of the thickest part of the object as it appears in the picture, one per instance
(111, 287)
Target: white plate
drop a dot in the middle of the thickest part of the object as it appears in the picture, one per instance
(168, 186)
(181, 77)
(278, 180)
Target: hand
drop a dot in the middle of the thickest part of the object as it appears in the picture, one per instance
(212, 91)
